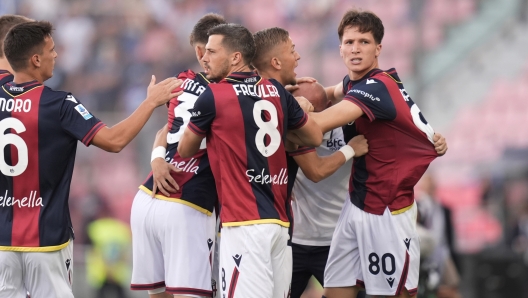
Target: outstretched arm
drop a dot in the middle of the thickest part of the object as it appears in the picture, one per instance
(337, 115)
(115, 138)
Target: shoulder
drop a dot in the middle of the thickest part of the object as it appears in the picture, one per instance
(372, 88)
(47, 92)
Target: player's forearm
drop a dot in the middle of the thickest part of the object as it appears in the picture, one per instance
(189, 144)
(161, 137)
(115, 138)
(309, 135)
(317, 168)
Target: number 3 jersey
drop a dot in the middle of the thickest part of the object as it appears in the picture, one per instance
(196, 181)
(39, 130)
(400, 143)
(245, 119)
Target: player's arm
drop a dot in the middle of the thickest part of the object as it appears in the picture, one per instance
(115, 138)
(335, 93)
(337, 115)
(317, 168)
(161, 169)
(203, 116)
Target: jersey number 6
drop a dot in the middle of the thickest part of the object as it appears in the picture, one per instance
(15, 140)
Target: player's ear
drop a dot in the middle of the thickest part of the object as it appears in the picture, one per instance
(236, 58)
(340, 51)
(35, 60)
(276, 63)
(200, 52)
(378, 50)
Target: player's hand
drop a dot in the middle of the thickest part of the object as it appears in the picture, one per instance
(162, 179)
(440, 144)
(305, 104)
(162, 92)
(291, 88)
(359, 144)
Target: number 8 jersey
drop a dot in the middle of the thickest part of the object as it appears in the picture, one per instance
(400, 143)
(245, 119)
(39, 130)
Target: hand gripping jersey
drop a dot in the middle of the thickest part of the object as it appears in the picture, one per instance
(196, 181)
(39, 130)
(400, 143)
(245, 119)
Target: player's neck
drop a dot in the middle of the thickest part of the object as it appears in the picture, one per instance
(270, 74)
(240, 68)
(354, 76)
(4, 65)
(24, 77)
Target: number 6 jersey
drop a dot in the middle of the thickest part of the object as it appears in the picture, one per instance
(39, 130)
(245, 119)
(400, 143)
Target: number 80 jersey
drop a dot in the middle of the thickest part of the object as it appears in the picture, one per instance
(196, 181)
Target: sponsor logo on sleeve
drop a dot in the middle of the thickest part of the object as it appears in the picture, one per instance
(83, 111)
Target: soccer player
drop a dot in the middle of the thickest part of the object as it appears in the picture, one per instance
(245, 118)
(40, 128)
(7, 22)
(375, 244)
(173, 235)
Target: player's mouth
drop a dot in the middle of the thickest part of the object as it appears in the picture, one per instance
(356, 61)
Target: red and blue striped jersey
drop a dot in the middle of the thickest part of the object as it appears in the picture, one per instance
(39, 130)
(400, 143)
(5, 76)
(196, 181)
(245, 119)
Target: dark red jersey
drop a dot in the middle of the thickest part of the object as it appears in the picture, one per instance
(245, 119)
(5, 76)
(196, 181)
(400, 143)
(39, 130)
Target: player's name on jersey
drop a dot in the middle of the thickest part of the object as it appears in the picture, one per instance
(262, 178)
(29, 202)
(189, 166)
(262, 91)
(193, 86)
(15, 105)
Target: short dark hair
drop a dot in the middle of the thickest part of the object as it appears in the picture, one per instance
(265, 41)
(365, 21)
(236, 38)
(25, 40)
(7, 22)
(199, 31)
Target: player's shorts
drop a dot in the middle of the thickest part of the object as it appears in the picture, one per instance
(307, 261)
(255, 261)
(172, 247)
(42, 274)
(381, 252)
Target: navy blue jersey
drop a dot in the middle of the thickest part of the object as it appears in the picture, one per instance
(196, 181)
(39, 130)
(399, 138)
(245, 119)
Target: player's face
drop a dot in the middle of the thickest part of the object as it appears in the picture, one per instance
(47, 58)
(289, 60)
(216, 59)
(359, 52)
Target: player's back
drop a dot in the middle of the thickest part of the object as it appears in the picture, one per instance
(246, 150)
(40, 128)
(5, 76)
(400, 143)
(196, 181)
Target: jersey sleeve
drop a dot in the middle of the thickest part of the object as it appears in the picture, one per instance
(78, 121)
(203, 113)
(296, 116)
(372, 96)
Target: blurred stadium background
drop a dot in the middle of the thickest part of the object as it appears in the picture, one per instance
(463, 61)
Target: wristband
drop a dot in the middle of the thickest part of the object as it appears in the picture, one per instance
(159, 151)
(348, 152)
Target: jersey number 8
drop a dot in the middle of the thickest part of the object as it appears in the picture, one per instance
(266, 128)
(15, 140)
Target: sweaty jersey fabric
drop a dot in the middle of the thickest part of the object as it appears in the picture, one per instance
(40, 128)
(196, 181)
(317, 206)
(399, 138)
(245, 119)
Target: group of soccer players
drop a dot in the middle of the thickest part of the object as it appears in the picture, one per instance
(223, 152)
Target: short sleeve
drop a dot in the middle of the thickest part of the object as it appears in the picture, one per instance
(203, 113)
(296, 116)
(372, 96)
(78, 121)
